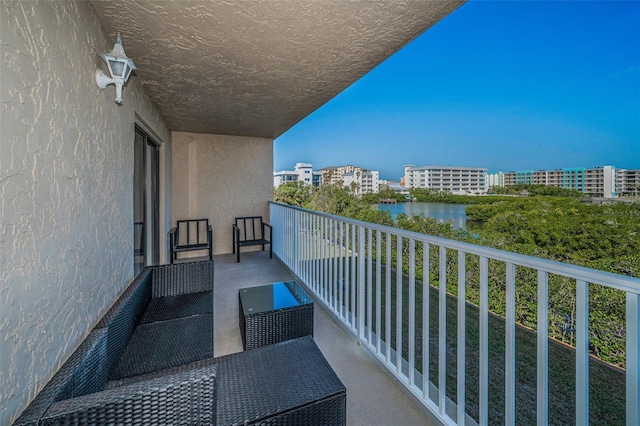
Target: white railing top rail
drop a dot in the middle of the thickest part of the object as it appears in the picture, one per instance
(608, 279)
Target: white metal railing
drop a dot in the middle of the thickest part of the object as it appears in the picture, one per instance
(350, 267)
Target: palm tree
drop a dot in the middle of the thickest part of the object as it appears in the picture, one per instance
(354, 186)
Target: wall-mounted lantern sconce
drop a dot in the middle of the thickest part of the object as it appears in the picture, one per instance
(120, 68)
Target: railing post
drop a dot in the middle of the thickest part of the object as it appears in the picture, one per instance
(354, 278)
(341, 247)
(378, 290)
(412, 311)
(273, 221)
(462, 318)
(484, 341)
(305, 251)
(296, 242)
(323, 258)
(582, 352)
(399, 305)
(633, 359)
(543, 349)
(314, 253)
(426, 267)
(387, 300)
(330, 264)
(361, 292)
(369, 308)
(510, 347)
(348, 265)
(442, 333)
(337, 253)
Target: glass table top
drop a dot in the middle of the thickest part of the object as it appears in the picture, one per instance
(272, 297)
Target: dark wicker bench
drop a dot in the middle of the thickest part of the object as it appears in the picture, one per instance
(250, 231)
(150, 361)
(164, 319)
(191, 235)
(288, 383)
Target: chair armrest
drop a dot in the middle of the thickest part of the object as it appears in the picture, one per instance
(236, 233)
(265, 224)
(172, 237)
(187, 396)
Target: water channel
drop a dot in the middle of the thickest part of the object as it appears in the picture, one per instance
(442, 212)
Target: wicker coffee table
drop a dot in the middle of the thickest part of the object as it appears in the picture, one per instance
(274, 313)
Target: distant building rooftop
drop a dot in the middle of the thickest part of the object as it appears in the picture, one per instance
(448, 168)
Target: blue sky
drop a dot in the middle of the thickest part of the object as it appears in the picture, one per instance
(506, 85)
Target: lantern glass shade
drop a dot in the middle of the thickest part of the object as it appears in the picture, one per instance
(117, 68)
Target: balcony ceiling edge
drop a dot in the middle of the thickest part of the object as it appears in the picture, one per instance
(258, 68)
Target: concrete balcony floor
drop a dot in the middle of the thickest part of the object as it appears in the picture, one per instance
(374, 397)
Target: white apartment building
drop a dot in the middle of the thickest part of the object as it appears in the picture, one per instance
(334, 174)
(494, 179)
(605, 181)
(456, 180)
(361, 180)
(630, 182)
(302, 172)
(370, 182)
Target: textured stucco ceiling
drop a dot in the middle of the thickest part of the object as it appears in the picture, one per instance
(258, 67)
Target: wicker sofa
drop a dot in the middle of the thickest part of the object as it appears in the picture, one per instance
(150, 361)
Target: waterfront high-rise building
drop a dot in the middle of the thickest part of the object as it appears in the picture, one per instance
(456, 180)
(603, 181)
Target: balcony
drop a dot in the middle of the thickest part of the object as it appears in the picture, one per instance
(202, 94)
(480, 369)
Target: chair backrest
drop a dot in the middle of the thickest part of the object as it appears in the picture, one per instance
(192, 231)
(250, 228)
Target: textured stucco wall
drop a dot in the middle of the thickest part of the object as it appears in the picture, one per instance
(66, 170)
(221, 177)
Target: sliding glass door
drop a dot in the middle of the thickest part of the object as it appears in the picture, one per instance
(145, 201)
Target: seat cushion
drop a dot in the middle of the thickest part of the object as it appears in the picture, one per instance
(253, 242)
(190, 247)
(164, 344)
